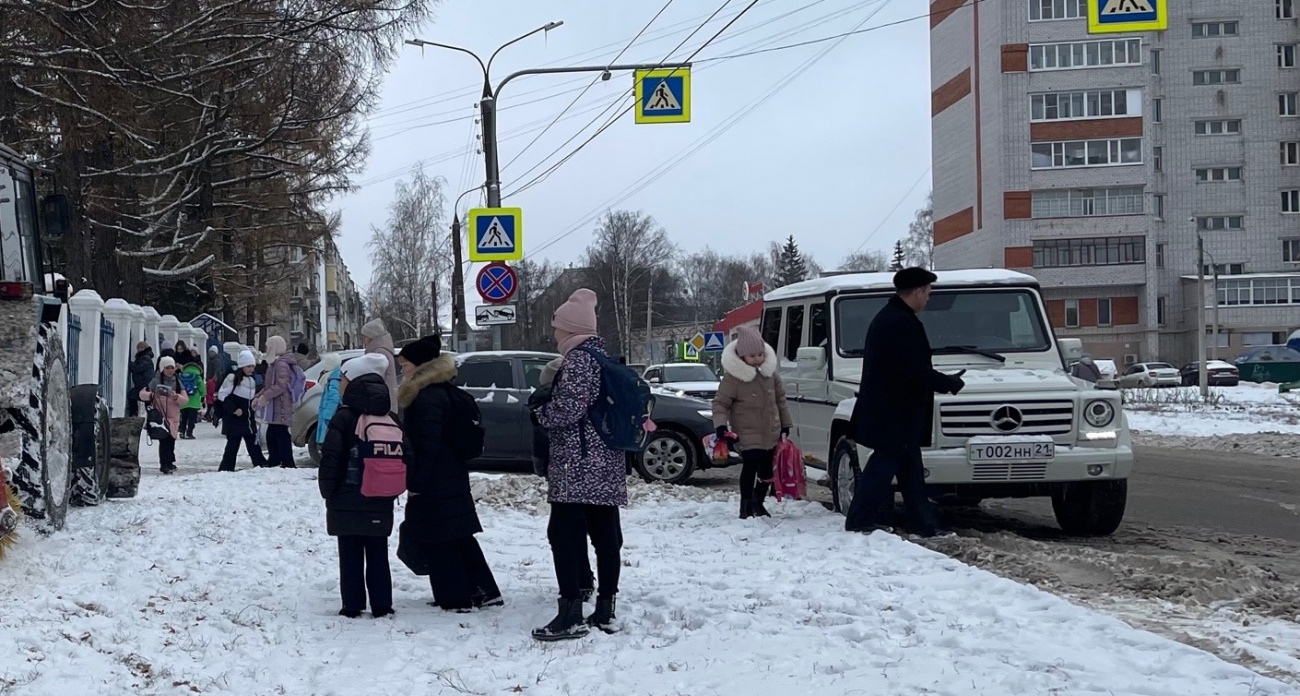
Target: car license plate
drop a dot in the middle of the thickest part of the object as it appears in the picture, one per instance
(1011, 451)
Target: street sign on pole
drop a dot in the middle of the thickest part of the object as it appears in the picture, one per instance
(697, 342)
(495, 315)
(1108, 16)
(714, 342)
(689, 352)
(496, 234)
(496, 283)
(663, 96)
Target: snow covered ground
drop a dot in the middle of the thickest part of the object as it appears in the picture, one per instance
(226, 584)
(1242, 410)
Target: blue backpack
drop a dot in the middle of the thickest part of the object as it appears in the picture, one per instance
(189, 382)
(623, 407)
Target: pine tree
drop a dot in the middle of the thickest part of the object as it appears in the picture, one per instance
(900, 257)
(791, 267)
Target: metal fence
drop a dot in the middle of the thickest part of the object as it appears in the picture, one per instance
(106, 363)
(74, 347)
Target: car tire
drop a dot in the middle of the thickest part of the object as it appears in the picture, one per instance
(842, 474)
(1090, 508)
(668, 457)
(43, 475)
(90, 446)
(313, 452)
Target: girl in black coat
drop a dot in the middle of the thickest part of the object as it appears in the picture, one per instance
(361, 523)
(441, 520)
(236, 397)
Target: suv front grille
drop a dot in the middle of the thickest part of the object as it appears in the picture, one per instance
(974, 419)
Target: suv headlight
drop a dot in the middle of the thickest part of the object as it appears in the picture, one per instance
(1099, 414)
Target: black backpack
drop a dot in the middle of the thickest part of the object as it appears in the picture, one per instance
(155, 426)
(623, 407)
(463, 428)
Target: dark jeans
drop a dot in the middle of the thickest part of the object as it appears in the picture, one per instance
(755, 464)
(460, 573)
(167, 452)
(569, 526)
(363, 565)
(232, 451)
(132, 406)
(873, 502)
(189, 419)
(279, 445)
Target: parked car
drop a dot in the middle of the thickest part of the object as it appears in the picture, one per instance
(684, 379)
(328, 362)
(502, 382)
(1152, 374)
(1217, 372)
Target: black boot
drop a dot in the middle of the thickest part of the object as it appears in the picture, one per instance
(760, 492)
(603, 618)
(567, 624)
(746, 507)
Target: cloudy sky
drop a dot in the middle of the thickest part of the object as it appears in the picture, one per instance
(817, 143)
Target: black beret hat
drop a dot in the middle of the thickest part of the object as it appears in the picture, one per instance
(913, 278)
(423, 350)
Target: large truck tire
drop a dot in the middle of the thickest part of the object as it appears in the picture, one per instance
(90, 446)
(43, 477)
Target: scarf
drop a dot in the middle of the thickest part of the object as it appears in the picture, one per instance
(574, 341)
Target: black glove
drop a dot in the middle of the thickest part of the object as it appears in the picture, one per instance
(956, 383)
(721, 431)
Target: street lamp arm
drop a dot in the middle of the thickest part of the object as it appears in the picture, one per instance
(546, 27)
(422, 43)
(585, 69)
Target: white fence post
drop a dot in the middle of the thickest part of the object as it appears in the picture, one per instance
(89, 308)
(169, 327)
(152, 329)
(122, 314)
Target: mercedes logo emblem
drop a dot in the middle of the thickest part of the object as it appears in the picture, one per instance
(1006, 419)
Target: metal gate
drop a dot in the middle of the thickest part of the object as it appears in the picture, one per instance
(106, 364)
(74, 347)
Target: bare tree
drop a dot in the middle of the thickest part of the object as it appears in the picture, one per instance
(629, 253)
(409, 256)
(919, 246)
(532, 327)
(865, 262)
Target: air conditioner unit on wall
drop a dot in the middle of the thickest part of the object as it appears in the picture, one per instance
(1130, 359)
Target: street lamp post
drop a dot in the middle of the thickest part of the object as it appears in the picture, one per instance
(1202, 373)
(488, 112)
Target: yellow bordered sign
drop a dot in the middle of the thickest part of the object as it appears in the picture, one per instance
(496, 234)
(1113, 16)
(663, 96)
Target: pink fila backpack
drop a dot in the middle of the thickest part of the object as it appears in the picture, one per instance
(379, 447)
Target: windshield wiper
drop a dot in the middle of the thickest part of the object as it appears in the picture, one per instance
(948, 350)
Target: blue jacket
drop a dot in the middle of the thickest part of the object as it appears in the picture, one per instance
(329, 403)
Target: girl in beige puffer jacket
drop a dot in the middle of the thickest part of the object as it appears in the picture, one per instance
(751, 400)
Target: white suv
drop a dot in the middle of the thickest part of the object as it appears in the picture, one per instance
(1022, 427)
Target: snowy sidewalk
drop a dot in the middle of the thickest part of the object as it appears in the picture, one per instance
(227, 584)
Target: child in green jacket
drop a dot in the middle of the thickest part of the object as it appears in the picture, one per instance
(191, 378)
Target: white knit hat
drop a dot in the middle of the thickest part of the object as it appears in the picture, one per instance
(368, 364)
(246, 359)
(165, 363)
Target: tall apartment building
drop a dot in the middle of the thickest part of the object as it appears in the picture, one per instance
(344, 313)
(1093, 158)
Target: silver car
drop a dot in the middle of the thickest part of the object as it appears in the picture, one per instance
(1152, 374)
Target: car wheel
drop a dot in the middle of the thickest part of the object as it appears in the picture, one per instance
(668, 457)
(843, 473)
(1090, 508)
(313, 451)
(43, 475)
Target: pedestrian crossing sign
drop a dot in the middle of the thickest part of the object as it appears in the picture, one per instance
(1108, 16)
(663, 95)
(496, 234)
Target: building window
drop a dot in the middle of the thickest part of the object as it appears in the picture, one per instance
(1062, 106)
(1291, 250)
(1158, 154)
(1157, 110)
(1209, 30)
(1225, 269)
(1103, 312)
(1258, 291)
(1041, 10)
(1291, 201)
(1089, 251)
(1253, 339)
(1086, 153)
(1155, 61)
(1286, 104)
(1160, 256)
(1072, 314)
(1160, 311)
(1059, 203)
(1221, 222)
(1158, 205)
(1213, 174)
(1085, 54)
(1286, 55)
(1216, 77)
(1228, 127)
(1285, 9)
(1290, 154)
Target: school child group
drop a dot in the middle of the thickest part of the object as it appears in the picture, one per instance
(428, 431)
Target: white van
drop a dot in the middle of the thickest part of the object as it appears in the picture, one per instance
(1022, 427)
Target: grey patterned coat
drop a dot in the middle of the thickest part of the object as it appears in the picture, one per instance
(583, 469)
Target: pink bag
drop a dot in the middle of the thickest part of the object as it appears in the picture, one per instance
(379, 446)
(788, 478)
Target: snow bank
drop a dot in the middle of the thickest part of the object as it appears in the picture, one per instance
(227, 584)
(1243, 410)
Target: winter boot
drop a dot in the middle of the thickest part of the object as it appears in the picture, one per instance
(760, 492)
(567, 624)
(746, 507)
(603, 618)
(381, 613)
(350, 613)
(588, 588)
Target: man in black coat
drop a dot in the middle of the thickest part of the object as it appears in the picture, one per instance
(894, 413)
(141, 373)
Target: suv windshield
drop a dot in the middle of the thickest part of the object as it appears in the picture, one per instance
(999, 321)
(688, 373)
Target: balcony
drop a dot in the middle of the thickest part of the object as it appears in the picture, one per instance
(1091, 276)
